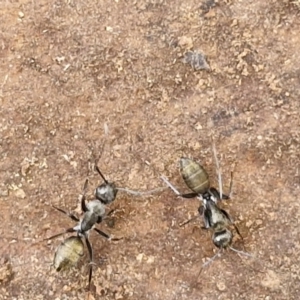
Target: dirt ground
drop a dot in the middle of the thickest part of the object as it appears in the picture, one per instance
(77, 77)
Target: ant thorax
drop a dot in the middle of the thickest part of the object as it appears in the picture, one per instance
(87, 223)
(96, 208)
(94, 214)
(213, 216)
(207, 196)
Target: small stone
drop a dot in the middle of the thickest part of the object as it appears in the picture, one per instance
(139, 257)
(109, 29)
(5, 270)
(118, 296)
(198, 126)
(150, 259)
(258, 222)
(221, 286)
(109, 271)
(3, 192)
(25, 165)
(186, 42)
(21, 15)
(249, 224)
(20, 193)
(234, 23)
(196, 59)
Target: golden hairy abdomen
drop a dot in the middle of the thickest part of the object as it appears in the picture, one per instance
(194, 175)
(68, 253)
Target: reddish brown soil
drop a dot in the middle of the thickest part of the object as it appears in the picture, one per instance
(70, 70)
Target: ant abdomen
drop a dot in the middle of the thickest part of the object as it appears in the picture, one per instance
(194, 175)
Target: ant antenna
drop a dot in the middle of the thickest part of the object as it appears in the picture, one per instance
(241, 252)
(98, 170)
(165, 180)
(231, 184)
(218, 169)
(208, 262)
(137, 193)
(85, 187)
(211, 259)
(96, 159)
(188, 221)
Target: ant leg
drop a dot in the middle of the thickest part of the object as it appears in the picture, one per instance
(59, 234)
(218, 169)
(225, 213)
(201, 210)
(90, 250)
(188, 221)
(231, 184)
(110, 212)
(189, 195)
(99, 172)
(106, 235)
(229, 218)
(102, 233)
(208, 262)
(101, 218)
(225, 197)
(206, 218)
(211, 259)
(237, 230)
(83, 205)
(74, 218)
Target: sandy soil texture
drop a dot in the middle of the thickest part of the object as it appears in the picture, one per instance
(140, 84)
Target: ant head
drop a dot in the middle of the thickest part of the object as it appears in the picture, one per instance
(106, 192)
(222, 238)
